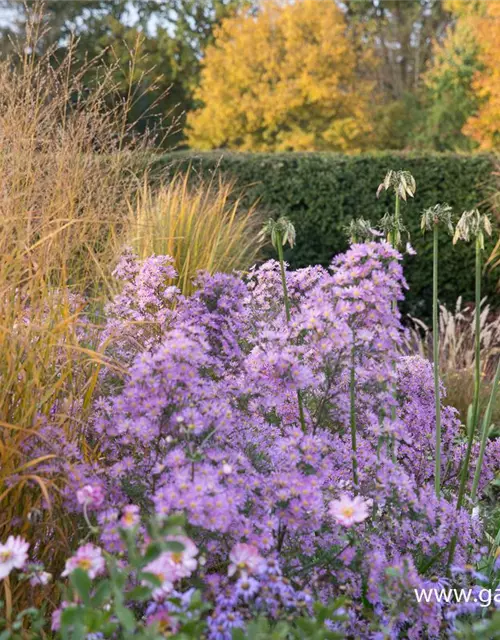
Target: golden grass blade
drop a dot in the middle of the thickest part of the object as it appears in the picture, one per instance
(201, 225)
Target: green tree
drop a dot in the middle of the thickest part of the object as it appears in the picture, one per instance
(400, 34)
(450, 98)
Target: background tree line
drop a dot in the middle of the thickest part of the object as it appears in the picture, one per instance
(267, 75)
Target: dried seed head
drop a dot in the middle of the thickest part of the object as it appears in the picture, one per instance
(281, 230)
(394, 229)
(472, 224)
(402, 182)
(359, 230)
(438, 214)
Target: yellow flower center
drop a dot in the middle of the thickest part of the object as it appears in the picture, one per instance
(347, 512)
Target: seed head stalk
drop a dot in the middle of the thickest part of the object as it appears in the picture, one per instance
(477, 381)
(472, 225)
(283, 277)
(431, 219)
(435, 357)
(281, 232)
(397, 215)
(403, 184)
(395, 242)
(288, 315)
(352, 397)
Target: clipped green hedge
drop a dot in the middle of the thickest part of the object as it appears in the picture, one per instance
(322, 192)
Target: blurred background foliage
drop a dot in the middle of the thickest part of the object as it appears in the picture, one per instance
(343, 75)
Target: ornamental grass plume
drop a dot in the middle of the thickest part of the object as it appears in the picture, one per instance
(440, 214)
(202, 225)
(457, 350)
(485, 432)
(67, 167)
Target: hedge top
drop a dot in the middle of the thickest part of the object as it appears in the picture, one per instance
(322, 192)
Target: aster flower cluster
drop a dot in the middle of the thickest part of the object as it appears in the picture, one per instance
(241, 419)
(138, 314)
(207, 423)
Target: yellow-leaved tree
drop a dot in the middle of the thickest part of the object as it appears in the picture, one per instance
(284, 78)
(484, 126)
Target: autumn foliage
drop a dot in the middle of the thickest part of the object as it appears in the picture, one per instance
(286, 78)
(484, 126)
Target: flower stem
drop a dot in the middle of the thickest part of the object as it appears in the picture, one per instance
(91, 527)
(394, 241)
(435, 341)
(352, 394)
(396, 218)
(475, 403)
(393, 236)
(8, 599)
(477, 381)
(283, 279)
(485, 431)
(288, 318)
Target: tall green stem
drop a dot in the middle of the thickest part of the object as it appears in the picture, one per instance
(435, 341)
(393, 236)
(477, 380)
(475, 403)
(485, 431)
(288, 318)
(394, 242)
(396, 212)
(283, 279)
(352, 394)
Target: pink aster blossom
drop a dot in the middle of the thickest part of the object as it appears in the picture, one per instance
(56, 616)
(56, 620)
(130, 517)
(348, 511)
(40, 578)
(162, 621)
(246, 559)
(185, 560)
(171, 566)
(164, 570)
(89, 558)
(91, 495)
(13, 555)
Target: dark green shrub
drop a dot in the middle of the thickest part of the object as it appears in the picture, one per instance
(322, 192)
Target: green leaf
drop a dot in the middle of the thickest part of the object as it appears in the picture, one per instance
(125, 616)
(152, 578)
(102, 593)
(176, 520)
(174, 546)
(82, 584)
(139, 593)
(152, 552)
